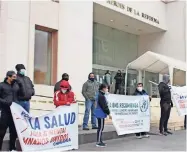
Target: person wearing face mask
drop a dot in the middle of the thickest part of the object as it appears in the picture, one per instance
(101, 111)
(119, 80)
(10, 90)
(28, 86)
(89, 91)
(165, 104)
(64, 96)
(108, 79)
(141, 92)
(65, 77)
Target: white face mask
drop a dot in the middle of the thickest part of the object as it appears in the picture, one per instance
(63, 91)
(139, 89)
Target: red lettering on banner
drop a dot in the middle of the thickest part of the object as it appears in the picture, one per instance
(34, 141)
(59, 138)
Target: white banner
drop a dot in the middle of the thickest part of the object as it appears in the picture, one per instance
(130, 114)
(56, 131)
(179, 96)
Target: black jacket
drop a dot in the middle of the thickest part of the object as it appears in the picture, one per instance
(165, 93)
(103, 103)
(27, 86)
(57, 86)
(118, 78)
(9, 93)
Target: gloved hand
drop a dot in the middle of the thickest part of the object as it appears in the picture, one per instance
(171, 104)
(18, 82)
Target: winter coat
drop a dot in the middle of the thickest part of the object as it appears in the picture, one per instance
(90, 89)
(118, 78)
(61, 99)
(9, 93)
(108, 79)
(27, 86)
(101, 110)
(165, 93)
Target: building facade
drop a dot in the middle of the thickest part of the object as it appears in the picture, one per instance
(77, 37)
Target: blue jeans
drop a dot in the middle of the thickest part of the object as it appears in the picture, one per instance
(89, 105)
(25, 105)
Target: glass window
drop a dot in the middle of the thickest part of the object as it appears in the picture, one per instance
(43, 57)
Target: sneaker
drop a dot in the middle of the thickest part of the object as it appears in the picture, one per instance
(146, 136)
(100, 144)
(163, 134)
(168, 132)
(86, 129)
(104, 143)
(94, 127)
(139, 137)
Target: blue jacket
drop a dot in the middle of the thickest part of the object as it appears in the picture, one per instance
(101, 110)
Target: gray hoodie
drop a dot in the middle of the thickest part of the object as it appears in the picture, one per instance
(89, 90)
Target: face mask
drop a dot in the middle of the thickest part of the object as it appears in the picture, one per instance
(22, 71)
(140, 89)
(63, 91)
(91, 79)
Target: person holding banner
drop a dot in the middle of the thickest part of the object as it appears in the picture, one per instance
(10, 89)
(165, 104)
(141, 92)
(64, 96)
(101, 112)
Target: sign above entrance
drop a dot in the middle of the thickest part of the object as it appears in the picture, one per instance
(133, 11)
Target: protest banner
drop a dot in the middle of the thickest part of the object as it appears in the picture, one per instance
(130, 114)
(57, 130)
(179, 96)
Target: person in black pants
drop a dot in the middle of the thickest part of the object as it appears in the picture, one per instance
(165, 104)
(10, 89)
(141, 92)
(119, 80)
(185, 122)
(101, 112)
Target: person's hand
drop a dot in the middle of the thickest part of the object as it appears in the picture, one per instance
(110, 117)
(171, 105)
(150, 98)
(18, 82)
(68, 104)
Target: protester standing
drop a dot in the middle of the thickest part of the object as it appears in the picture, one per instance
(108, 79)
(64, 96)
(89, 90)
(165, 104)
(141, 92)
(101, 113)
(10, 90)
(28, 87)
(185, 122)
(65, 77)
(119, 80)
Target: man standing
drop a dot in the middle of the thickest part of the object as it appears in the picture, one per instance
(10, 89)
(165, 105)
(89, 90)
(141, 92)
(119, 79)
(65, 77)
(28, 87)
(108, 79)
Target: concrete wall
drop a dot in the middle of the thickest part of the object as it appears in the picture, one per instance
(172, 42)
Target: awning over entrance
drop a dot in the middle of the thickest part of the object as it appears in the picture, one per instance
(156, 63)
